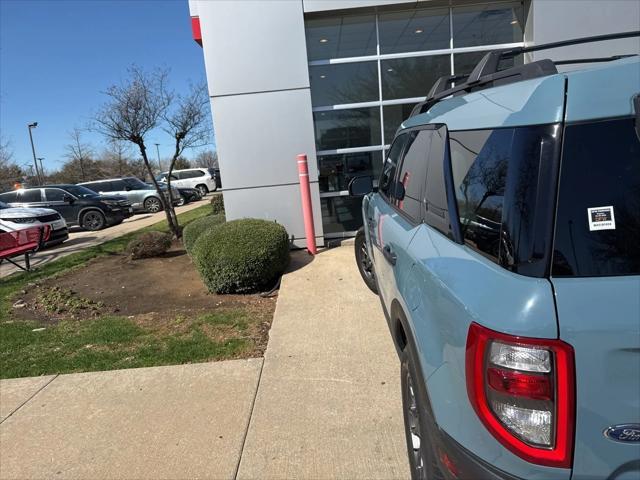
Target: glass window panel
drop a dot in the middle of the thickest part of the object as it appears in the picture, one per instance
(479, 160)
(341, 36)
(340, 214)
(464, 63)
(54, 194)
(394, 115)
(336, 171)
(358, 127)
(414, 30)
(487, 24)
(344, 83)
(413, 173)
(31, 195)
(412, 77)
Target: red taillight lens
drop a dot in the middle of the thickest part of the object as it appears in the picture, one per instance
(523, 391)
(520, 384)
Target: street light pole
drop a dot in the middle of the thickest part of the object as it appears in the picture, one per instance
(41, 168)
(158, 152)
(33, 150)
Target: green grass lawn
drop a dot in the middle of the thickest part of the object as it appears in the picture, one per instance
(109, 342)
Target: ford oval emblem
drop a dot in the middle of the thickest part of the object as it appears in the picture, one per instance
(629, 432)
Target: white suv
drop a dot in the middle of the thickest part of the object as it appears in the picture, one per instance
(19, 218)
(203, 179)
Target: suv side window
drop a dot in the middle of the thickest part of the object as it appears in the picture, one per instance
(479, 161)
(413, 172)
(437, 209)
(390, 165)
(9, 197)
(117, 186)
(54, 194)
(30, 196)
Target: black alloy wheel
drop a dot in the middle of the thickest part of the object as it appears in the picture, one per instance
(93, 220)
(365, 265)
(422, 461)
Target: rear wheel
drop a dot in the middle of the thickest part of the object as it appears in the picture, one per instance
(152, 205)
(422, 461)
(93, 220)
(181, 200)
(365, 265)
(202, 189)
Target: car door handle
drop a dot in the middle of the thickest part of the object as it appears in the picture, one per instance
(389, 255)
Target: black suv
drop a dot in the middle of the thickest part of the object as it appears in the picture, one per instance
(77, 204)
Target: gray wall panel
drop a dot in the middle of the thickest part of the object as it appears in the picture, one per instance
(566, 19)
(275, 203)
(259, 135)
(324, 5)
(253, 46)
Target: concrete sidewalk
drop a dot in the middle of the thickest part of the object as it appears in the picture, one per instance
(187, 421)
(324, 403)
(329, 403)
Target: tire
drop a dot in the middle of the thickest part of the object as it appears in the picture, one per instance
(153, 205)
(422, 460)
(365, 265)
(181, 201)
(202, 189)
(93, 220)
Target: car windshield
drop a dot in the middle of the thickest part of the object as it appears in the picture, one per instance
(80, 191)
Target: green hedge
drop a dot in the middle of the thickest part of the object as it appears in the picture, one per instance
(194, 229)
(217, 203)
(240, 256)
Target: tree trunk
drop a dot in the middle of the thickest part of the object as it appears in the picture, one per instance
(169, 212)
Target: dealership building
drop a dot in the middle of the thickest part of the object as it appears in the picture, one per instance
(335, 78)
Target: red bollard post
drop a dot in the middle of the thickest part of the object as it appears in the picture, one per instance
(307, 210)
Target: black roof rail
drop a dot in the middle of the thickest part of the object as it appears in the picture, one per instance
(486, 73)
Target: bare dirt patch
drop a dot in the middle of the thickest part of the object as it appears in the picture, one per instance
(163, 294)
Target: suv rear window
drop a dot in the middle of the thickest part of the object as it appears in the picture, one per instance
(598, 219)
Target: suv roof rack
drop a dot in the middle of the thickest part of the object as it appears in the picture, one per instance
(487, 74)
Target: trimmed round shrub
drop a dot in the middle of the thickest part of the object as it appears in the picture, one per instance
(149, 244)
(241, 256)
(193, 230)
(217, 203)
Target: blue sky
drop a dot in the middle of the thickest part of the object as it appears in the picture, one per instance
(57, 56)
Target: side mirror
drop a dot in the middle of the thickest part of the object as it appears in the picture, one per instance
(359, 186)
(67, 198)
(127, 188)
(398, 191)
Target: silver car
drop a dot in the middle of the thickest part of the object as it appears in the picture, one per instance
(143, 197)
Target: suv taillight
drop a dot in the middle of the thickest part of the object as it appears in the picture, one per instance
(523, 391)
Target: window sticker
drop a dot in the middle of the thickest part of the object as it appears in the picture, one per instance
(601, 218)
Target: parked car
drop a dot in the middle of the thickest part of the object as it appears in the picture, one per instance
(77, 205)
(203, 179)
(503, 243)
(20, 218)
(143, 197)
(188, 195)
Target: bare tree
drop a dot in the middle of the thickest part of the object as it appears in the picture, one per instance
(187, 123)
(207, 158)
(133, 109)
(79, 153)
(10, 172)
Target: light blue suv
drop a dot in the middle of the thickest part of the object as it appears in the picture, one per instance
(504, 244)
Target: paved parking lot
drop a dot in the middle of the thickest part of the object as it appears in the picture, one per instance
(80, 239)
